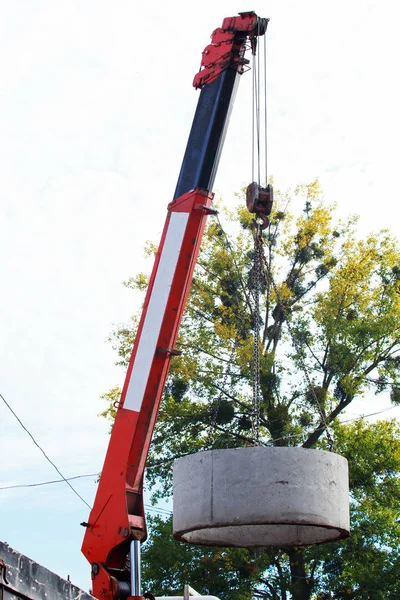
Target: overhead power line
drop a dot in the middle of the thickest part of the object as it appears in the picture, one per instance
(40, 483)
(378, 412)
(159, 510)
(166, 461)
(43, 452)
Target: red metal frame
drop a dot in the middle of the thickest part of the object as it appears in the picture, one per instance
(227, 47)
(117, 516)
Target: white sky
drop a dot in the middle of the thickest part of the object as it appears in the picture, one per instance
(95, 109)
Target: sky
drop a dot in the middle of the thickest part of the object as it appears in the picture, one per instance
(96, 104)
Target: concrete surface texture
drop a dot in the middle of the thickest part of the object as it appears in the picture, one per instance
(23, 578)
(259, 497)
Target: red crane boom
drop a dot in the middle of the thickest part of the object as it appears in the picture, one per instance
(116, 523)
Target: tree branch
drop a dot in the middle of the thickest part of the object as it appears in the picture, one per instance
(233, 398)
(238, 436)
(281, 579)
(198, 349)
(268, 299)
(313, 355)
(316, 434)
(271, 588)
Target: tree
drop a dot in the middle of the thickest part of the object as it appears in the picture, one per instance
(329, 333)
(168, 565)
(366, 566)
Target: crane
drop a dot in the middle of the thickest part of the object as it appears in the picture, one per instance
(116, 525)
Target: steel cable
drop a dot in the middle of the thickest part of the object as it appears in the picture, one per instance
(43, 452)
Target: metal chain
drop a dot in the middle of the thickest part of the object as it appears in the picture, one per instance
(258, 257)
(256, 386)
(253, 117)
(257, 265)
(298, 351)
(265, 109)
(257, 275)
(221, 394)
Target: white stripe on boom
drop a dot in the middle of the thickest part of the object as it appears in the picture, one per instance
(155, 311)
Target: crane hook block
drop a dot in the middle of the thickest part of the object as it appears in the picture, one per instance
(258, 199)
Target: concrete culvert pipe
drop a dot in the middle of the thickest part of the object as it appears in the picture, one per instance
(260, 497)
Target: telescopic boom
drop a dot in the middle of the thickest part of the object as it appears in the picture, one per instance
(117, 523)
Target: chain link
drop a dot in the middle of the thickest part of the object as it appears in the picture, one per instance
(259, 273)
(298, 350)
(227, 373)
(255, 413)
(258, 257)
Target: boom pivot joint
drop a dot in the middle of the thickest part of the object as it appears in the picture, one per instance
(228, 44)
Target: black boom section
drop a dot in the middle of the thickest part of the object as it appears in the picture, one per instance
(207, 135)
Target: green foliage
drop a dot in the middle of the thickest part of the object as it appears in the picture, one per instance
(168, 565)
(395, 394)
(367, 565)
(329, 301)
(112, 398)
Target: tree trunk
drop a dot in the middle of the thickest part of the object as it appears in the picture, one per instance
(301, 584)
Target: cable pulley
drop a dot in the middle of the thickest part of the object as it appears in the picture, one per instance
(259, 200)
